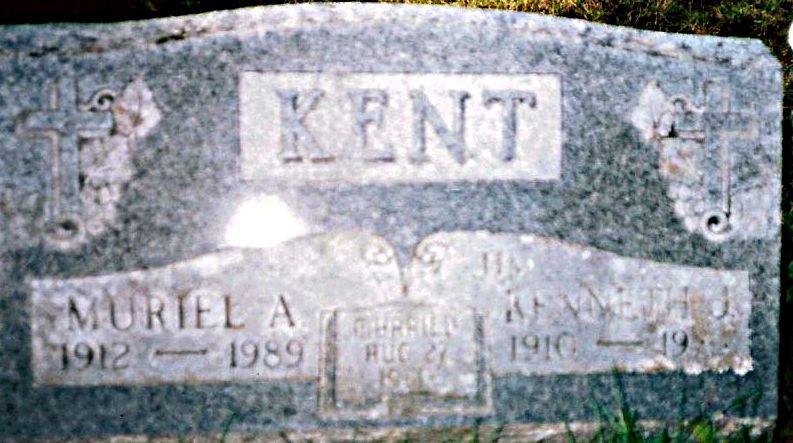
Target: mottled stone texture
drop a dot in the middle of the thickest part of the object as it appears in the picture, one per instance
(120, 151)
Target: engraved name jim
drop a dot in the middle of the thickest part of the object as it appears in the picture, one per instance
(386, 128)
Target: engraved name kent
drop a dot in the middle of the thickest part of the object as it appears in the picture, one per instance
(400, 127)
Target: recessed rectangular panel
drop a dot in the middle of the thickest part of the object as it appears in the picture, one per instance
(397, 128)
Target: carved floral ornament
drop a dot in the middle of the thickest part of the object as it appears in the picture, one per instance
(699, 141)
(101, 135)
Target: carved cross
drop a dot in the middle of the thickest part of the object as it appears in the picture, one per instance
(719, 129)
(65, 124)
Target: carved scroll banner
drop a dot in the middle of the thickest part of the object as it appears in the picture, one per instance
(335, 308)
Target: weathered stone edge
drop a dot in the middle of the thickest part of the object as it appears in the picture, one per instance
(81, 39)
(516, 432)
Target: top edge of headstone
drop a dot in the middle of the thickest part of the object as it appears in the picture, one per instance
(60, 39)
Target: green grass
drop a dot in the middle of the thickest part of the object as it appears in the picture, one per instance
(621, 424)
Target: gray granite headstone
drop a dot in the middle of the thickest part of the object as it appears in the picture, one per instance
(314, 220)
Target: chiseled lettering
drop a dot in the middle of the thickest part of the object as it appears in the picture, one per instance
(415, 325)
(424, 112)
(679, 304)
(114, 314)
(724, 307)
(84, 317)
(230, 324)
(387, 352)
(509, 99)
(294, 109)
(627, 306)
(154, 312)
(516, 313)
(371, 352)
(514, 308)
(618, 302)
(568, 303)
(180, 298)
(368, 128)
(596, 303)
(200, 310)
(368, 106)
(281, 311)
(426, 354)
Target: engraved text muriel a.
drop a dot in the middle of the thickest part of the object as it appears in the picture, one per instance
(190, 321)
(400, 127)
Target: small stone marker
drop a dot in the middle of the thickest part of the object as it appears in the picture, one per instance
(310, 221)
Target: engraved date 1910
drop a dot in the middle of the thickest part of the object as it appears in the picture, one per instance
(564, 345)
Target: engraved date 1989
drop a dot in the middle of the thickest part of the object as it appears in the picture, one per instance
(267, 353)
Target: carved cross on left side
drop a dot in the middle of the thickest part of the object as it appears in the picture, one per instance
(66, 123)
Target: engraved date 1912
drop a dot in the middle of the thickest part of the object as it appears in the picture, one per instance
(82, 355)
